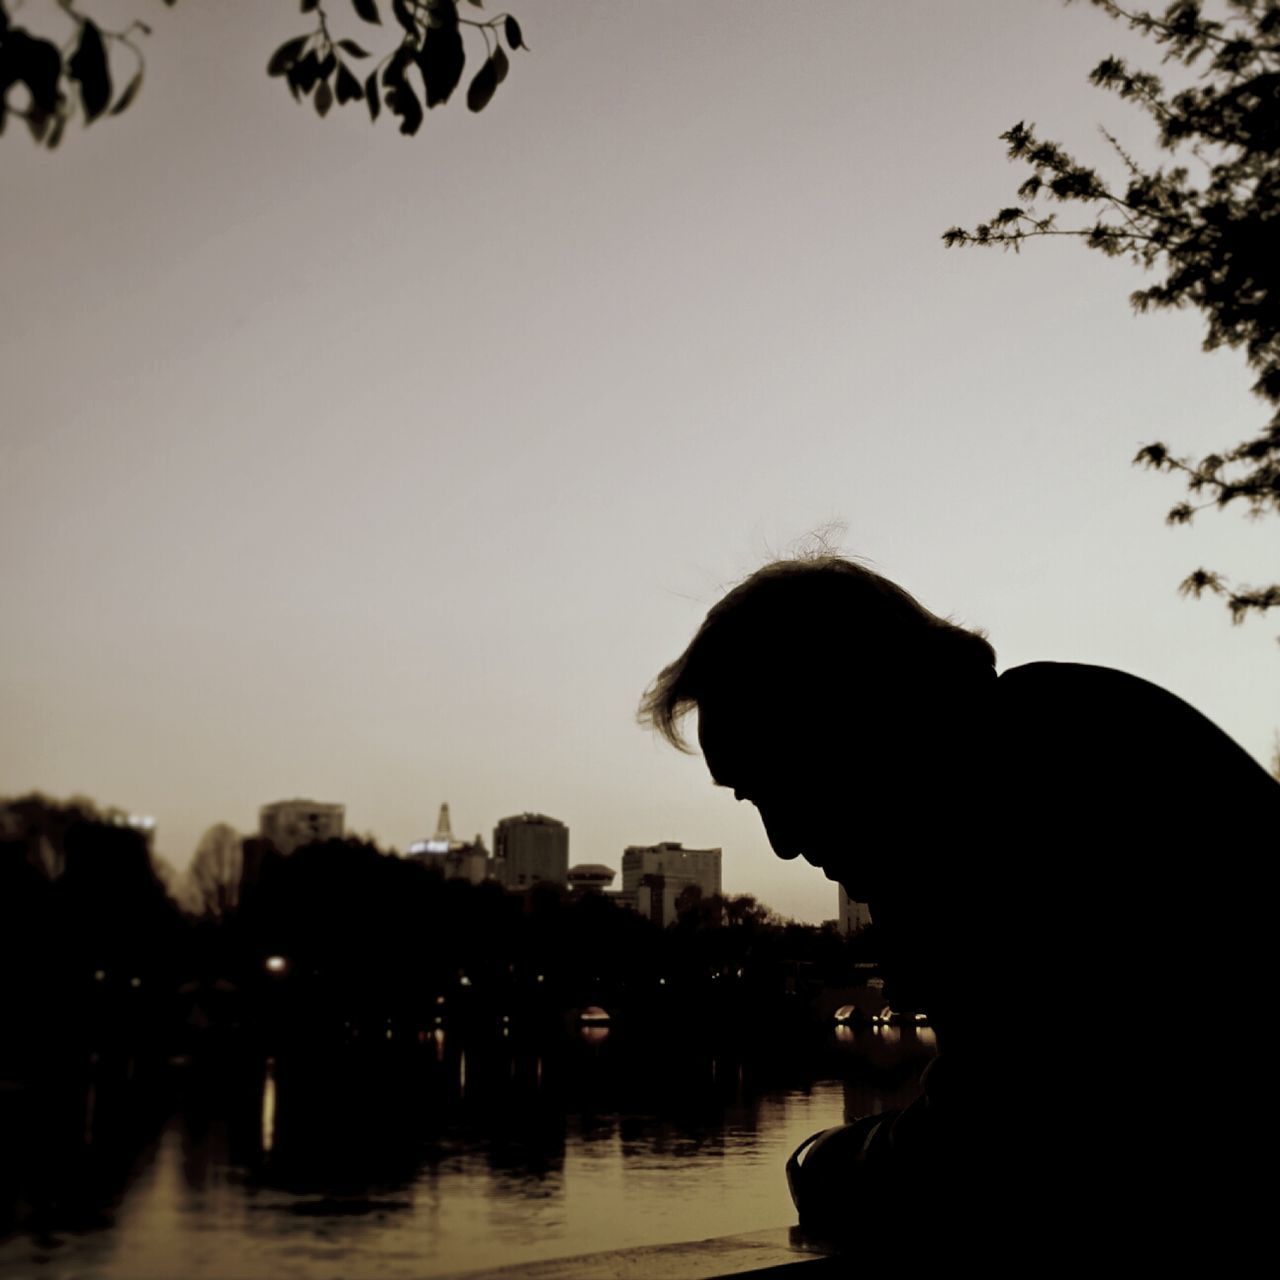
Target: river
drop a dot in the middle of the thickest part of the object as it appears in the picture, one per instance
(431, 1160)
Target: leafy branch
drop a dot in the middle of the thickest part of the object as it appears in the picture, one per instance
(52, 77)
(1213, 239)
(50, 81)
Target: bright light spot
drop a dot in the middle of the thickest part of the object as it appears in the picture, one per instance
(99, 975)
(135, 982)
(276, 964)
(662, 982)
(506, 1017)
(845, 1012)
(388, 1033)
(464, 981)
(920, 1017)
(439, 999)
(539, 977)
(269, 1107)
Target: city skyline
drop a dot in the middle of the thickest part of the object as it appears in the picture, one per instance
(339, 463)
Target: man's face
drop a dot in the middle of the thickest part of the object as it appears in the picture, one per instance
(801, 771)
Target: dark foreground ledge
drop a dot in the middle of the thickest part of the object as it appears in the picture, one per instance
(780, 1252)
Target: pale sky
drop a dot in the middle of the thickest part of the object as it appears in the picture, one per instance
(389, 471)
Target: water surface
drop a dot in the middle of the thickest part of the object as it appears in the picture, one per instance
(433, 1161)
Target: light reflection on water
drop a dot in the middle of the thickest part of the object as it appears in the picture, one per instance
(485, 1179)
(269, 1107)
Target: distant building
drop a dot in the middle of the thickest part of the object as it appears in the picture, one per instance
(530, 849)
(654, 877)
(591, 877)
(289, 824)
(455, 859)
(854, 916)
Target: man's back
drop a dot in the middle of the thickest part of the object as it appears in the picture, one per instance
(1126, 925)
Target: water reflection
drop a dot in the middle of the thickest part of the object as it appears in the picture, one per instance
(416, 1159)
(269, 1107)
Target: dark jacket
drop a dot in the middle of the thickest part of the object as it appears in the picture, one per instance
(1095, 944)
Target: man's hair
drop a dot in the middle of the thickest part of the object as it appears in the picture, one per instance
(785, 624)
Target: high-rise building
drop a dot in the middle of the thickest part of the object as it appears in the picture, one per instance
(654, 877)
(289, 824)
(854, 915)
(530, 849)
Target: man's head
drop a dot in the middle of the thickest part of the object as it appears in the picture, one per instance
(821, 689)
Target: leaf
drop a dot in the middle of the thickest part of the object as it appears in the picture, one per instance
(323, 98)
(441, 60)
(482, 88)
(38, 123)
(350, 46)
(286, 55)
(402, 101)
(501, 63)
(88, 65)
(305, 72)
(348, 87)
(371, 95)
(394, 71)
(515, 37)
(130, 92)
(38, 65)
(327, 64)
(442, 13)
(309, 6)
(368, 10)
(404, 16)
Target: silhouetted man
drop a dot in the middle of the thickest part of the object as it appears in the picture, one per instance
(1064, 869)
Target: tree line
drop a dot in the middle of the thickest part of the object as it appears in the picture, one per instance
(342, 940)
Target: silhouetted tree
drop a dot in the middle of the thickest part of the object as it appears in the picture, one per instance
(1211, 229)
(215, 873)
(425, 62)
(743, 911)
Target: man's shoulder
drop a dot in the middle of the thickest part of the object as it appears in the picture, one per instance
(1107, 714)
(1092, 690)
(1074, 677)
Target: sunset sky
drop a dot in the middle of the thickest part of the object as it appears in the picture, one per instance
(389, 471)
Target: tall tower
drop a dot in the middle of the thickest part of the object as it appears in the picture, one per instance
(444, 829)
